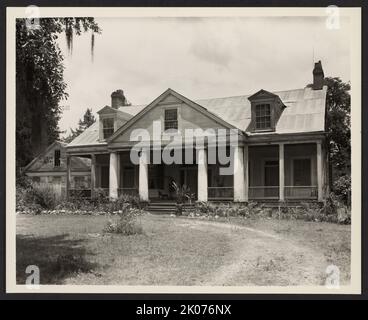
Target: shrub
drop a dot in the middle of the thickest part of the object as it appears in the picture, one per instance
(127, 222)
(225, 209)
(342, 189)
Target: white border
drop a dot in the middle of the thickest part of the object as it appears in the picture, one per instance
(355, 46)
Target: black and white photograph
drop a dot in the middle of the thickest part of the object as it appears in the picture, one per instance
(183, 150)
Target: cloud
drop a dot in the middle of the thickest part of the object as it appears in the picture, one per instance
(200, 58)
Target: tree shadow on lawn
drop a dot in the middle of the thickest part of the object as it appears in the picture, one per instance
(57, 258)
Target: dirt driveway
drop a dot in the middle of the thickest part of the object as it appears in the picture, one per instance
(259, 257)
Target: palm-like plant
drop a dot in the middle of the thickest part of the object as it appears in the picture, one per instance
(182, 192)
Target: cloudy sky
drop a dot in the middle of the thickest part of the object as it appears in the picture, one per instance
(199, 58)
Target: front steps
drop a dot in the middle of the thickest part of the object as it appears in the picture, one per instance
(165, 207)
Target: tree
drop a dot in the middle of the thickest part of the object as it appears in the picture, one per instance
(338, 127)
(39, 81)
(88, 120)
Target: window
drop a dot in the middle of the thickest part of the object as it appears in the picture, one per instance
(302, 172)
(171, 119)
(263, 116)
(57, 158)
(108, 127)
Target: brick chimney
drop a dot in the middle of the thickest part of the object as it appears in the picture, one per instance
(118, 99)
(318, 76)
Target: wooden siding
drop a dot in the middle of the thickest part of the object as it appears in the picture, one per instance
(188, 119)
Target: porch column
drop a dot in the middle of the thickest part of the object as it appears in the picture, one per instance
(114, 176)
(202, 175)
(319, 171)
(143, 175)
(246, 173)
(68, 175)
(281, 172)
(93, 175)
(239, 174)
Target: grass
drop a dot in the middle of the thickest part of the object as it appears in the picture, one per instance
(181, 251)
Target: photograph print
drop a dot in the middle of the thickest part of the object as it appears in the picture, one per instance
(184, 150)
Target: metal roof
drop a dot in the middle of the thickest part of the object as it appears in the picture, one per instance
(304, 112)
(89, 137)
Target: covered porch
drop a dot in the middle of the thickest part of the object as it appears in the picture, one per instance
(276, 172)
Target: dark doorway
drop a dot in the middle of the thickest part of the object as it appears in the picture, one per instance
(271, 176)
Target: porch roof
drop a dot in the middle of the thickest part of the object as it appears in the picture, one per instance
(304, 113)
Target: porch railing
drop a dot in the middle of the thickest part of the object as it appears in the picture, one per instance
(301, 192)
(220, 193)
(128, 191)
(264, 192)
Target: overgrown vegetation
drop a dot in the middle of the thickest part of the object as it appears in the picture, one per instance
(127, 222)
(332, 210)
(42, 199)
(338, 125)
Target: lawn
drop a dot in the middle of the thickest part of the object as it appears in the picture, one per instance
(181, 251)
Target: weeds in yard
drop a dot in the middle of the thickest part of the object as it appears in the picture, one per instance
(41, 199)
(126, 224)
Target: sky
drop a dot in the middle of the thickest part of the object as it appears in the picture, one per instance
(198, 58)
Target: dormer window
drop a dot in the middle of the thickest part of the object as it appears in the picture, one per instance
(171, 119)
(108, 127)
(263, 116)
(266, 109)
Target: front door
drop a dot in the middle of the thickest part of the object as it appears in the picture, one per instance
(271, 179)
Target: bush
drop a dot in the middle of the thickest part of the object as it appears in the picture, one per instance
(126, 224)
(342, 189)
(41, 198)
(230, 209)
(33, 198)
(333, 210)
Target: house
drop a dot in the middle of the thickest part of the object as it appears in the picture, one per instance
(279, 152)
(49, 168)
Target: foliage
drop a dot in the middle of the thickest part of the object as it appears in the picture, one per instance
(35, 197)
(338, 125)
(39, 81)
(182, 192)
(40, 198)
(127, 223)
(88, 120)
(342, 188)
(333, 210)
(230, 209)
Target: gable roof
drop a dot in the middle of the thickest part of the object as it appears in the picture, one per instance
(155, 102)
(90, 136)
(77, 162)
(120, 113)
(304, 112)
(44, 152)
(261, 94)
